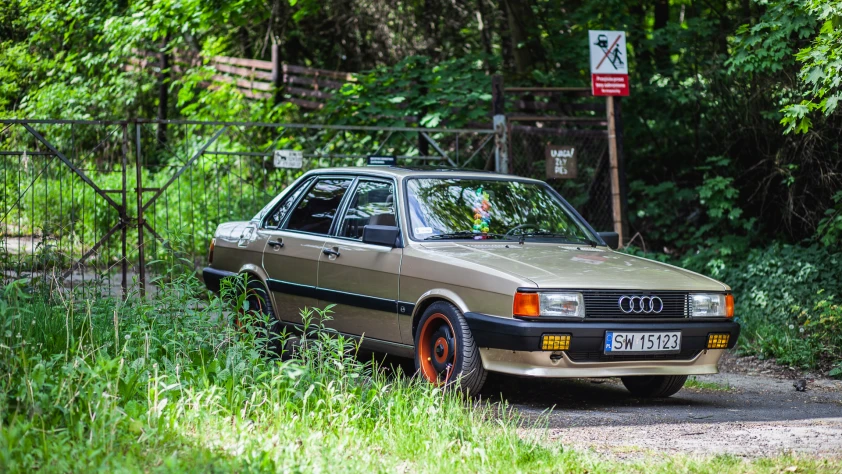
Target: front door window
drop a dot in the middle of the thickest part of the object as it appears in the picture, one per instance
(373, 203)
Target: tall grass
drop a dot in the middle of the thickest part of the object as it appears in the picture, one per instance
(165, 384)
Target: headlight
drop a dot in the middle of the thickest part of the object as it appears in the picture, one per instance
(711, 305)
(554, 305)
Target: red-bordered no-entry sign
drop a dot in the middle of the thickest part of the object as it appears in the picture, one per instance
(609, 63)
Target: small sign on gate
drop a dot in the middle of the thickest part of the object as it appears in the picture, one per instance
(288, 159)
(561, 162)
(381, 160)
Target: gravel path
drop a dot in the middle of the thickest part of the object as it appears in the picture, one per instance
(739, 412)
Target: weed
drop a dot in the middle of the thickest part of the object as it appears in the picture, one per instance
(694, 382)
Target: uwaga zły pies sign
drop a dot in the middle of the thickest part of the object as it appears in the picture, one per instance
(561, 162)
(609, 63)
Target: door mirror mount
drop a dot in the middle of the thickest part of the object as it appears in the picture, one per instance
(611, 239)
(385, 235)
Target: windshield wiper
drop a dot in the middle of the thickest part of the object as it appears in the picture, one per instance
(568, 237)
(466, 234)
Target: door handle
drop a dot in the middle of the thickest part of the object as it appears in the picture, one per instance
(330, 252)
(277, 244)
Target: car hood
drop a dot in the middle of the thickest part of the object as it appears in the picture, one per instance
(569, 266)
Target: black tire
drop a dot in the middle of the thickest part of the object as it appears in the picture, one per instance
(261, 304)
(458, 363)
(654, 386)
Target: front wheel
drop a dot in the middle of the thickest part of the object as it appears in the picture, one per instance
(654, 386)
(445, 352)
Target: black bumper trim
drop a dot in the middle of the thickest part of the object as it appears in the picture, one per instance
(518, 335)
(213, 277)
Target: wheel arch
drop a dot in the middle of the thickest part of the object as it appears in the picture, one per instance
(433, 296)
(254, 271)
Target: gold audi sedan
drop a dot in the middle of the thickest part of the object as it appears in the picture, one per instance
(469, 272)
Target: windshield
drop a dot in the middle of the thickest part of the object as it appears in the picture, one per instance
(489, 209)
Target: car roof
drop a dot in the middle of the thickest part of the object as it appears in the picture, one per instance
(409, 171)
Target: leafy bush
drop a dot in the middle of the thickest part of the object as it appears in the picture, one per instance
(829, 231)
(454, 92)
(785, 300)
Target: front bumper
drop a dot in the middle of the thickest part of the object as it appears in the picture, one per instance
(514, 346)
(213, 278)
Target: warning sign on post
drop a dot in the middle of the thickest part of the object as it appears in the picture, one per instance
(609, 63)
(561, 162)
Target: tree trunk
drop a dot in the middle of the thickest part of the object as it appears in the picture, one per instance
(485, 33)
(163, 92)
(662, 51)
(526, 46)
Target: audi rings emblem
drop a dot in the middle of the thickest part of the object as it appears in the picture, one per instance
(640, 304)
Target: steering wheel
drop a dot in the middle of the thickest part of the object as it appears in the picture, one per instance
(522, 226)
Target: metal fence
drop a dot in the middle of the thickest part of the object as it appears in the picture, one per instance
(107, 201)
(538, 117)
(590, 191)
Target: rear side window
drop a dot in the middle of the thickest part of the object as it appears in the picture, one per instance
(276, 216)
(316, 210)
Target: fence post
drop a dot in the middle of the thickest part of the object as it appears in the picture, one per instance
(498, 112)
(141, 254)
(616, 200)
(277, 72)
(621, 163)
(124, 214)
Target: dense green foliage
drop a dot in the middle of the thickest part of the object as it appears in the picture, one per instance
(788, 299)
(709, 79)
(731, 132)
(165, 384)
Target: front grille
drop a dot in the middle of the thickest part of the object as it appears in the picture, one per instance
(584, 356)
(604, 304)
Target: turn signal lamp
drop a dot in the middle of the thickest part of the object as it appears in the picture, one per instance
(526, 304)
(555, 342)
(718, 341)
(729, 306)
(549, 304)
(210, 250)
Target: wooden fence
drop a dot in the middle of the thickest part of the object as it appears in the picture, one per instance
(307, 87)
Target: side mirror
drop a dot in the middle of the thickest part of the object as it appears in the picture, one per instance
(386, 235)
(611, 239)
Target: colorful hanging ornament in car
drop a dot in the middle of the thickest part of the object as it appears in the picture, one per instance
(482, 216)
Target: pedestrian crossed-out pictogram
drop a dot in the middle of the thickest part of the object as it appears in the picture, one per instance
(612, 53)
(609, 63)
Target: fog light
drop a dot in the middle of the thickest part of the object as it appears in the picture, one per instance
(555, 342)
(718, 341)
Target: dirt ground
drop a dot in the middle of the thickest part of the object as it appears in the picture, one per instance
(751, 409)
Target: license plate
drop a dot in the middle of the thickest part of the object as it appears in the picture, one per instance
(640, 342)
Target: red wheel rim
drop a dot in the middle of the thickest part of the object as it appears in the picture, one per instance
(437, 349)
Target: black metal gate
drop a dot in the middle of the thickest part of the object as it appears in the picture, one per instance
(538, 117)
(102, 201)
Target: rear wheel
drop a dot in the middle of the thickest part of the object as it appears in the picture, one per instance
(262, 315)
(445, 352)
(654, 386)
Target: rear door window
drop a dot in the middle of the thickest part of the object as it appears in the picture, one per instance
(316, 210)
